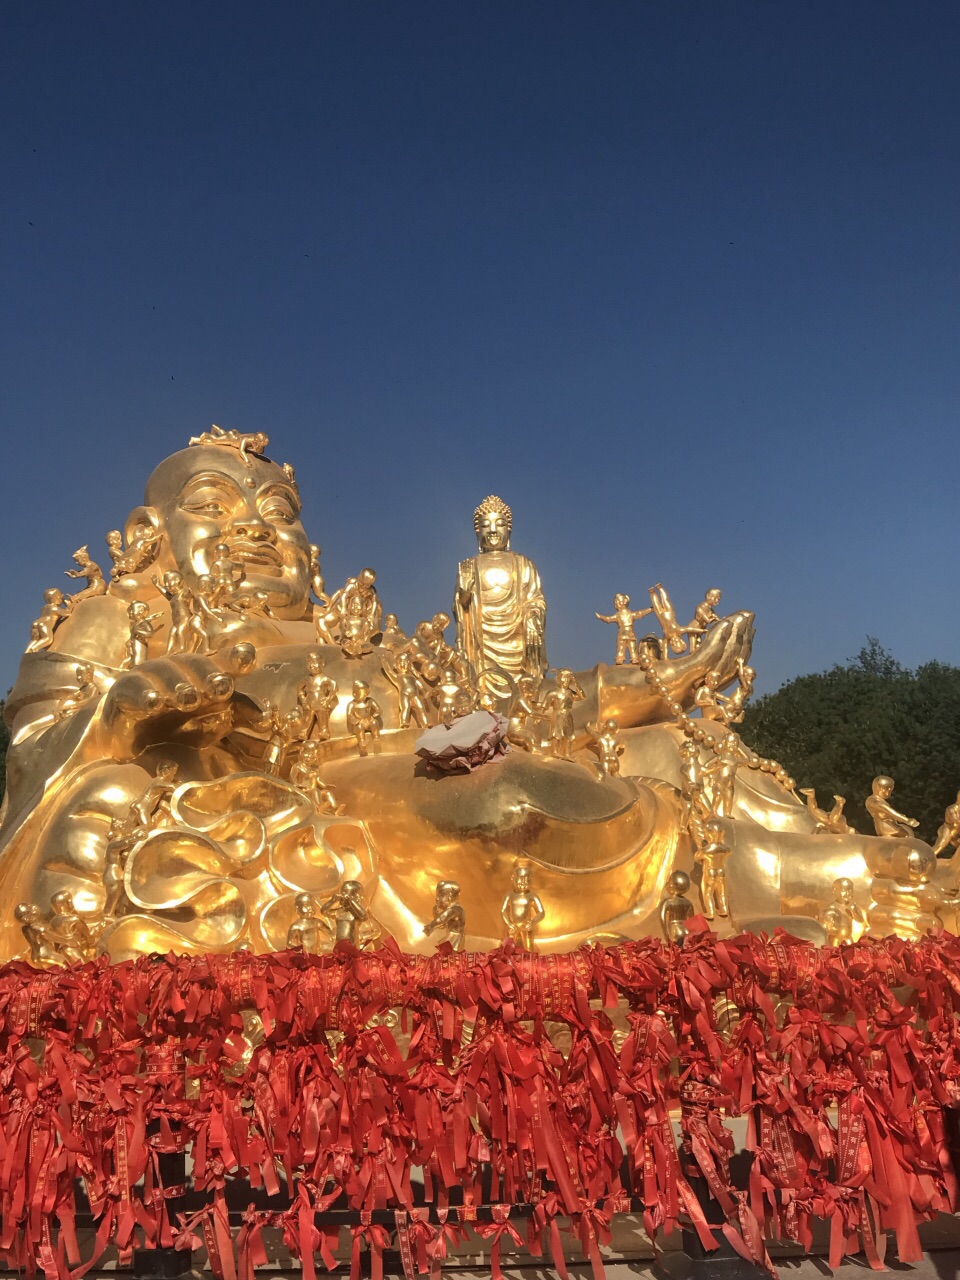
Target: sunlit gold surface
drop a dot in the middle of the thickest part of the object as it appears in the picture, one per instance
(182, 784)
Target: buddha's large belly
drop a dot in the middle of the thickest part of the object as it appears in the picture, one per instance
(599, 849)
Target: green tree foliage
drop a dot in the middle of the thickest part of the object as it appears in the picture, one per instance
(837, 730)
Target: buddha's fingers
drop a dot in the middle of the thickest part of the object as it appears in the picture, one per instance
(166, 699)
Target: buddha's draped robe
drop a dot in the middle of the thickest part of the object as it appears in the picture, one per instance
(503, 625)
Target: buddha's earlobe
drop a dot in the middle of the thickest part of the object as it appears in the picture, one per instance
(140, 521)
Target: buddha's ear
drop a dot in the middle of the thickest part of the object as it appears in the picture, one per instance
(139, 521)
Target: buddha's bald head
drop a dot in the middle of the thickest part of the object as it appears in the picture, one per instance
(207, 495)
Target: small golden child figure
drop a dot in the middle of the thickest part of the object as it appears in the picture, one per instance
(628, 647)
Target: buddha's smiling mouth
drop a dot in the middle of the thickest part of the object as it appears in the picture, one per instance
(259, 557)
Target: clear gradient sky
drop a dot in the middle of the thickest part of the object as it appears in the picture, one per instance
(681, 282)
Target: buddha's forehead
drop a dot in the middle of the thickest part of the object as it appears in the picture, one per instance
(175, 473)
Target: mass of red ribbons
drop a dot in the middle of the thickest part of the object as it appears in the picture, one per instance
(506, 1095)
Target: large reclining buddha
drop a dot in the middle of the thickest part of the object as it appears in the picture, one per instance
(207, 747)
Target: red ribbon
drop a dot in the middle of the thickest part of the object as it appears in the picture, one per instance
(502, 1074)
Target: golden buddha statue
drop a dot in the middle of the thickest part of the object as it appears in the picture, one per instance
(242, 832)
(499, 605)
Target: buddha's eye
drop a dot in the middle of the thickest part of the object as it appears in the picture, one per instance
(206, 502)
(206, 508)
(278, 509)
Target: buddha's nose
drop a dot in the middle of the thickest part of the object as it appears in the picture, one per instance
(252, 527)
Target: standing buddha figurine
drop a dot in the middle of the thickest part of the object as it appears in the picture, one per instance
(499, 605)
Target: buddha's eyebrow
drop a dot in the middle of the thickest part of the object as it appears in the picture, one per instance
(207, 479)
(281, 490)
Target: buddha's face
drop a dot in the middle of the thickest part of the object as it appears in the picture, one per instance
(206, 496)
(493, 531)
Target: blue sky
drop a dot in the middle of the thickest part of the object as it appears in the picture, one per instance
(680, 282)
